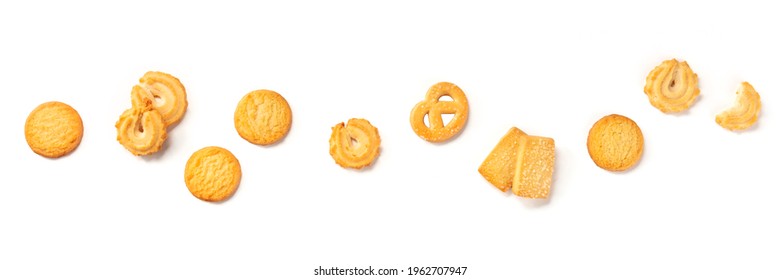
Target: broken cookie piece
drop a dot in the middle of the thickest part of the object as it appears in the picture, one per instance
(744, 113)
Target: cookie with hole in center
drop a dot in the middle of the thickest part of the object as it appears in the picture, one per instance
(615, 143)
(141, 129)
(167, 94)
(53, 129)
(355, 144)
(672, 86)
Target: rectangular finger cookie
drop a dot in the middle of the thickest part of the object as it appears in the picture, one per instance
(534, 167)
(498, 168)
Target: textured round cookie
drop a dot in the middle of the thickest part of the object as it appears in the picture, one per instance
(262, 117)
(212, 174)
(615, 143)
(53, 129)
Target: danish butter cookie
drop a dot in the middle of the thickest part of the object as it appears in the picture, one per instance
(432, 107)
(744, 113)
(141, 129)
(534, 167)
(355, 145)
(499, 166)
(672, 86)
(167, 93)
(615, 143)
(53, 129)
(212, 174)
(262, 117)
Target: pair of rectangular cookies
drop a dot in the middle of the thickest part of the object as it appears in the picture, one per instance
(521, 162)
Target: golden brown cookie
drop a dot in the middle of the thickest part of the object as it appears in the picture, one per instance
(432, 107)
(534, 167)
(167, 94)
(356, 144)
(672, 86)
(744, 113)
(499, 167)
(53, 129)
(141, 129)
(212, 174)
(615, 143)
(262, 117)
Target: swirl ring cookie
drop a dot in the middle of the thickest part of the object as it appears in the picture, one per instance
(355, 145)
(167, 94)
(262, 117)
(744, 113)
(437, 131)
(53, 129)
(672, 86)
(615, 143)
(141, 129)
(212, 174)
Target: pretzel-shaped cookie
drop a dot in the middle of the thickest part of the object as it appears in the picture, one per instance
(356, 144)
(167, 94)
(141, 129)
(437, 131)
(672, 86)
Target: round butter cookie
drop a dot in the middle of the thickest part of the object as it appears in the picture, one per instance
(615, 143)
(53, 129)
(212, 174)
(262, 117)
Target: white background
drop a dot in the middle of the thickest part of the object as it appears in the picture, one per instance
(702, 203)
